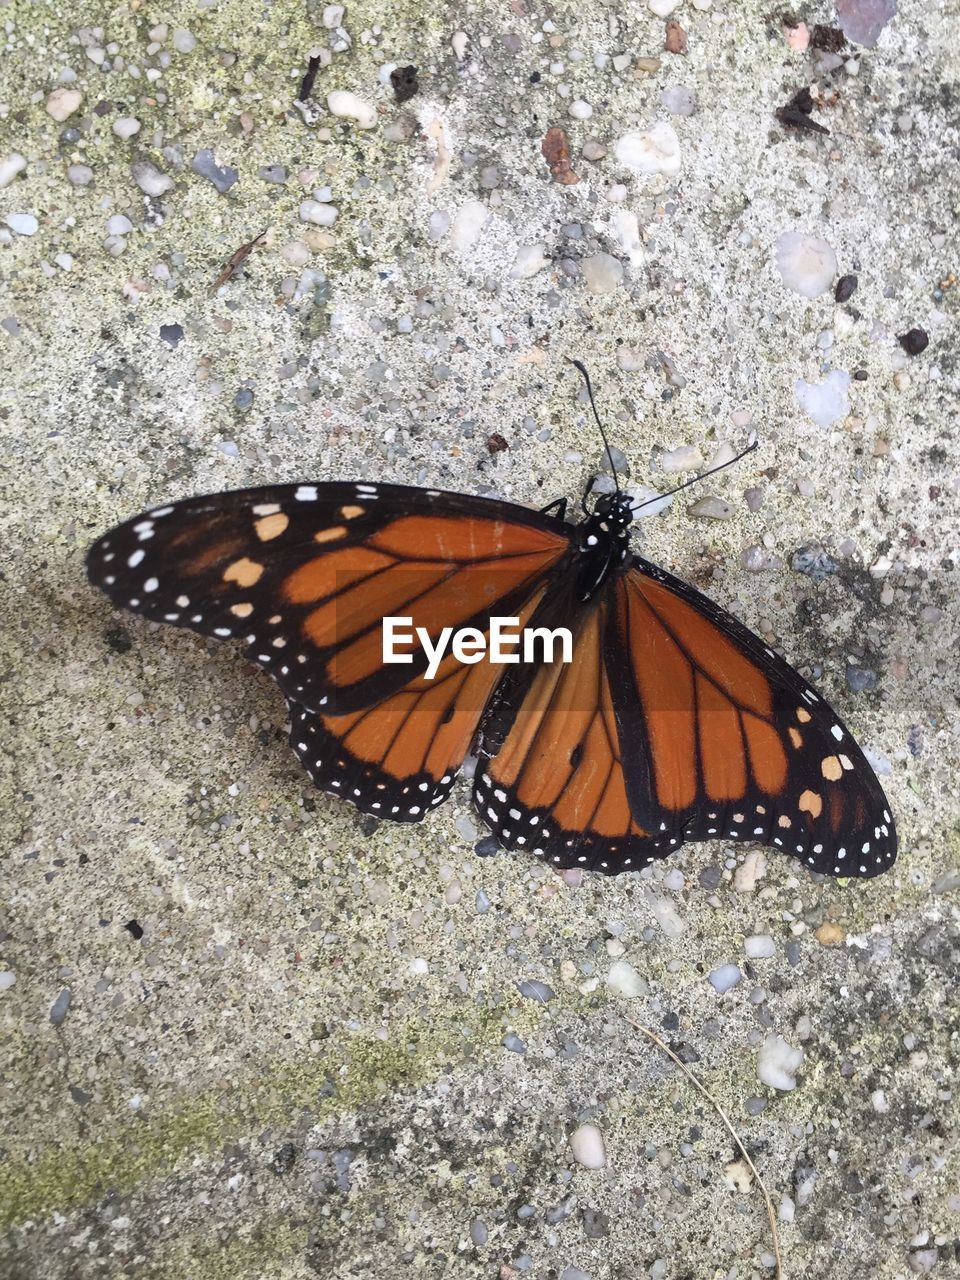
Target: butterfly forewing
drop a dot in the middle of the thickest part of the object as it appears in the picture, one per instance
(723, 740)
(304, 575)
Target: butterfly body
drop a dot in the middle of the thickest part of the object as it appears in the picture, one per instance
(671, 723)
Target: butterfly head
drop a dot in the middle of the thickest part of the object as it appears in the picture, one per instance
(617, 508)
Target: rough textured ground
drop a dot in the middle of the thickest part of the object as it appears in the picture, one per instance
(299, 1068)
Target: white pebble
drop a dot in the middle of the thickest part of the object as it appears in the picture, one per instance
(79, 175)
(646, 502)
(119, 225)
(662, 8)
(64, 261)
(665, 914)
(10, 166)
(333, 16)
(679, 101)
(825, 402)
(453, 893)
(115, 245)
(459, 41)
(467, 225)
(777, 1063)
(530, 259)
(759, 946)
(321, 215)
(686, 458)
(627, 230)
(580, 110)
(296, 253)
(629, 359)
(623, 980)
(418, 967)
(654, 150)
(24, 224)
(724, 977)
(184, 41)
(787, 1209)
(586, 1144)
(7, 979)
(878, 1100)
(439, 224)
(344, 103)
(63, 102)
(750, 871)
(807, 265)
(149, 178)
(126, 126)
(602, 273)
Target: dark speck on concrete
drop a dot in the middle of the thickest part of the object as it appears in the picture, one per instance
(171, 334)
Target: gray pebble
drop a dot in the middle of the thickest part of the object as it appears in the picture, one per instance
(534, 990)
(596, 1225)
(490, 177)
(513, 1042)
(58, 1010)
(710, 877)
(272, 173)
(204, 164)
(244, 398)
(12, 326)
(482, 903)
(478, 1232)
(860, 679)
(754, 498)
(755, 1105)
(814, 562)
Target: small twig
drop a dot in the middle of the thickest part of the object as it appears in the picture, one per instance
(733, 1134)
(235, 260)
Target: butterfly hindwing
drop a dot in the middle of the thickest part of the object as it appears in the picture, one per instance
(724, 740)
(398, 758)
(555, 785)
(304, 575)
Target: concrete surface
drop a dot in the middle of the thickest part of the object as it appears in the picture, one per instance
(299, 1068)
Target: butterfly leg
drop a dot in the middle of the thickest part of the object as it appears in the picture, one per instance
(560, 507)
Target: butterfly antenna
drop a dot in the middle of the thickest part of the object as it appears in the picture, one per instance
(754, 442)
(582, 370)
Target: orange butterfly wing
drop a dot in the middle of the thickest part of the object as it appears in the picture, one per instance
(555, 786)
(729, 742)
(304, 574)
(674, 723)
(398, 758)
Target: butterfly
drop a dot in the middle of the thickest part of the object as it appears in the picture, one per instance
(671, 723)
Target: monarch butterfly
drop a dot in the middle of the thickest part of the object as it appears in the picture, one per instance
(671, 723)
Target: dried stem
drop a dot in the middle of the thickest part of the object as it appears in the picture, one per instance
(733, 1134)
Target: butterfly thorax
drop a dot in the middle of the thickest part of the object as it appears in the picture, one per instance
(603, 543)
